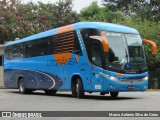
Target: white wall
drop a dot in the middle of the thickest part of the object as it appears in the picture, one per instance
(1, 77)
(1, 69)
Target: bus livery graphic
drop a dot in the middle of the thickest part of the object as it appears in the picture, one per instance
(82, 57)
(63, 58)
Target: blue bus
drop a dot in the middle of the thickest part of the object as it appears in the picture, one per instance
(81, 57)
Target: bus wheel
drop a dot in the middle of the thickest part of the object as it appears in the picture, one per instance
(50, 92)
(79, 88)
(114, 94)
(74, 92)
(21, 86)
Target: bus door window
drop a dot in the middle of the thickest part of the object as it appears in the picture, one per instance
(96, 53)
(85, 33)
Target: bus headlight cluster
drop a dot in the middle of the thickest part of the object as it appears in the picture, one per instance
(113, 78)
(145, 78)
(109, 77)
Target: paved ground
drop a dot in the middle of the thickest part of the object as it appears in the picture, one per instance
(11, 100)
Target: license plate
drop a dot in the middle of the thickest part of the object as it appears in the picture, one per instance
(131, 87)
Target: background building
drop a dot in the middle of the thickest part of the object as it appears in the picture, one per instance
(1, 66)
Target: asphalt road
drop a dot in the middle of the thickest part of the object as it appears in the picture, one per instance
(11, 100)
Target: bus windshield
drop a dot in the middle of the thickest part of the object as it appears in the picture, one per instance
(125, 49)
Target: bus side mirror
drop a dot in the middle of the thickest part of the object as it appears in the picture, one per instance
(154, 46)
(103, 40)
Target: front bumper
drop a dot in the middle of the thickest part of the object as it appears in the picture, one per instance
(113, 86)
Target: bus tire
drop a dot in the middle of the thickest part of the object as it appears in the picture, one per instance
(79, 88)
(74, 92)
(21, 86)
(50, 92)
(114, 94)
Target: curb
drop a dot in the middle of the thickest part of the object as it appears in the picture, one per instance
(2, 87)
(153, 90)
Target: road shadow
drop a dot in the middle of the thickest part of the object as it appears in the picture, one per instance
(88, 96)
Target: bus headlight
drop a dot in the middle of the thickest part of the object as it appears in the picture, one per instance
(145, 78)
(113, 78)
(109, 77)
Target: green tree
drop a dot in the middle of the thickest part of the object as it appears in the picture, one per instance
(21, 20)
(124, 5)
(140, 8)
(92, 13)
(7, 20)
(96, 13)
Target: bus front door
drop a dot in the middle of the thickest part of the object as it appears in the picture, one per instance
(96, 60)
(97, 79)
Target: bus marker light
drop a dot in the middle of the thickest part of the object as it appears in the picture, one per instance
(97, 86)
(112, 86)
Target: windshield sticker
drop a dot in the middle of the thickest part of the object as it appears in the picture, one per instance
(134, 40)
(113, 34)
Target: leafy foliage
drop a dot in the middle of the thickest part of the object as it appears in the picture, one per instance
(142, 8)
(96, 13)
(21, 20)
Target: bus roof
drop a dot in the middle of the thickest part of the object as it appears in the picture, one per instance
(99, 25)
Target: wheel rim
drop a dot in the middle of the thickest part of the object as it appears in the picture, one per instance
(77, 88)
(21, 86)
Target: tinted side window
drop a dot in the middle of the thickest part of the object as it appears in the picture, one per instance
(62, 43)
(29, 49)
(65, 43)
(42, 46)
(18, 51)
(8, 52)
(14, 52)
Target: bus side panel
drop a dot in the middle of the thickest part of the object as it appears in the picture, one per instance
(9, 75)
(10, 79)
(37, 73)
(33, 79)
(87, 80)
(84, 73)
